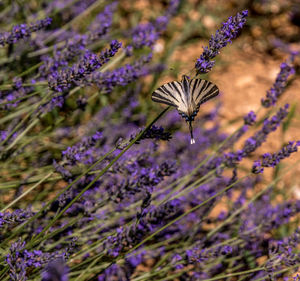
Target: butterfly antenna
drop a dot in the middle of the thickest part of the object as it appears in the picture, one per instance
(191, 131)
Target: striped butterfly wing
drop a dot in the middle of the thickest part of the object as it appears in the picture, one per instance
(186, 96)
(202, 91)
(172, 94)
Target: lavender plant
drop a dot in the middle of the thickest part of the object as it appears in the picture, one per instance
(95, 186)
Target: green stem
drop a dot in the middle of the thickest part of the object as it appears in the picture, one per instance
(195, 183)
(245, 206)
(3, 273)
(34, 179)
(87, 269)
(183, 180)
(26, 192)
(22, 98)
(186, 213)
(279, 272)
(30, 69)
(16, 128)
(16, 232)
(103, 171)
(18, 138)
(9, 86)
(21, 124)
(173, 276)
(235, 274)
(13, 115)
(113, 62)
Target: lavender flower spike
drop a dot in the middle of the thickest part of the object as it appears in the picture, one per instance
(21, 31)
(156, 133)
(102, 23)
(272, 160)
(15, 217)
(64, 79)
(270, 125)
(250, 118)
(277, 89)
(223, 36)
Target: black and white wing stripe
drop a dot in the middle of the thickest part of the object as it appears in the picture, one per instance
(186, 96)
(172, 94)
(202, 90)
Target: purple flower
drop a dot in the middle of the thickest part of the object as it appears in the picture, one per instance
(282, 253)
(57, 100)
(19, 259)
(272, 160)
(269, 126)
(296, 278)
(135, 259)
(114, 272)
(231, 159)
(263, 214)
(250, 118)
(108, 53)
(127, 237)
(81, 152)
(135, 198)
(11, 98)
(56, 271)
(201, 255)
(61, 170)
(62, 56)
(63, 80)
(101, 24)
(21, 31)
(146, 34)
(172, 8)
(15, 217)
(137, 178)
(16, 262)
(177, 258)
(257, 168)
(229, 30)
(124, 75)
(278, 87)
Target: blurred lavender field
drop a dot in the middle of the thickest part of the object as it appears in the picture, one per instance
(98, 182)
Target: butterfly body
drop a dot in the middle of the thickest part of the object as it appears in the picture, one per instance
(186, 96)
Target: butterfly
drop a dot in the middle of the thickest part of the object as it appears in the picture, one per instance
(186, 96)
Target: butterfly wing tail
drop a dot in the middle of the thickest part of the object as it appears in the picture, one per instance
(191, 131)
